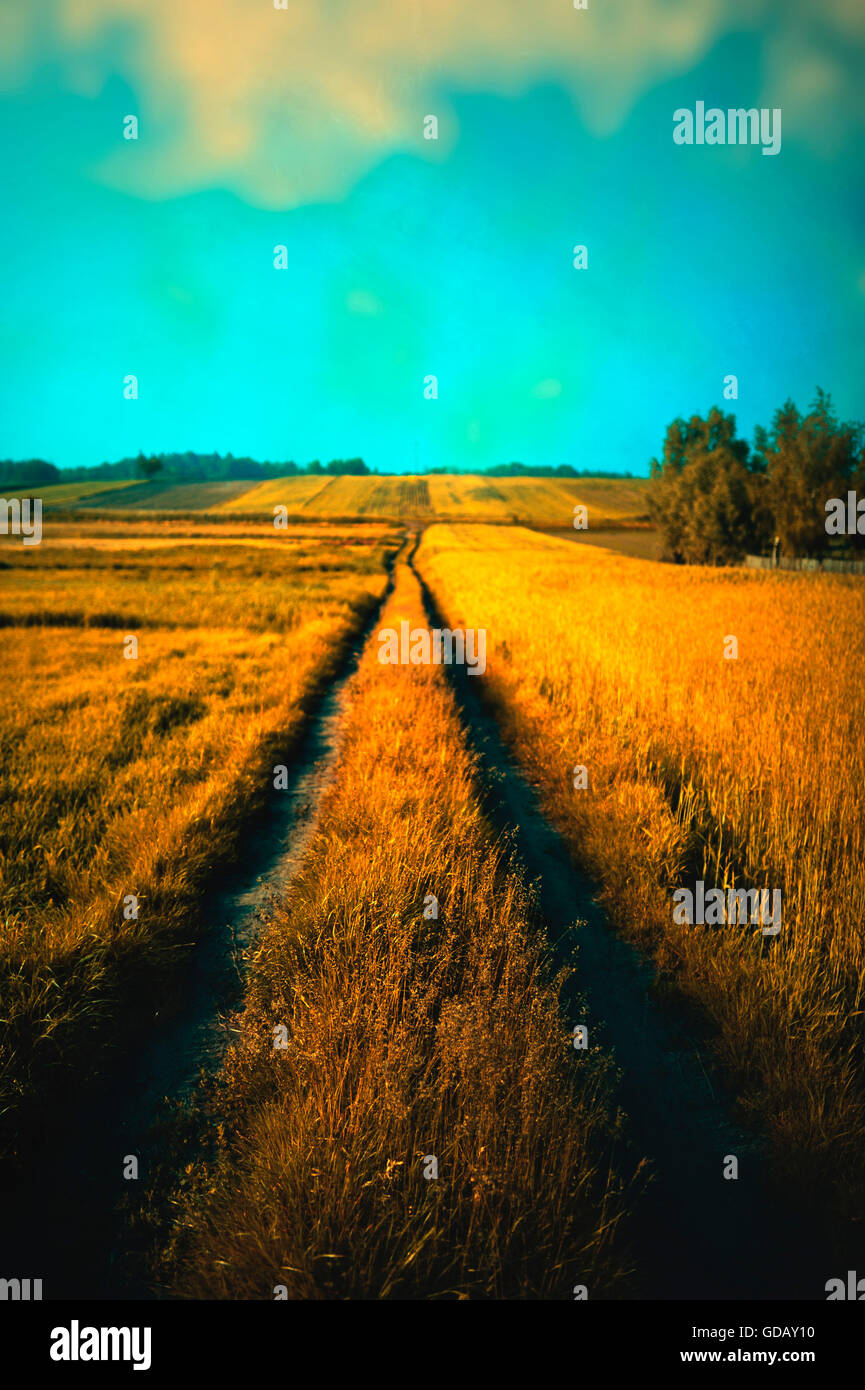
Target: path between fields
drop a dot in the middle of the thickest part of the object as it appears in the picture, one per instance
(698, 1236)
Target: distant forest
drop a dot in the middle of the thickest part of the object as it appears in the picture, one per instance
(211, 468)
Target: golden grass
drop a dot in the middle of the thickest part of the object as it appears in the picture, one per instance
(400, 498)
(293, 493)
(454, 496)
(124, 587)
(131, 531)
(134, 776)
(743, 772)
(537, 501)
(407, 1037)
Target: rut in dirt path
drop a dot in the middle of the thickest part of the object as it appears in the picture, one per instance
(61, 1223)
(696, 1234)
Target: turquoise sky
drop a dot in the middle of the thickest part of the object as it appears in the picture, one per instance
(410, 257)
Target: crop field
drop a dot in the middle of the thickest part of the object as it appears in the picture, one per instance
(131, 771)
(739, 771)
(437, 1075)
(65, 494)
(293, 493)
(547, 502)
(397, 497)
(538, 501)
(166, 497)
(410, 1037)
(543, 501)
(128, 531)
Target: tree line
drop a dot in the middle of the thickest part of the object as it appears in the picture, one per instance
(715, 498)
(209, 468)
(169, 468)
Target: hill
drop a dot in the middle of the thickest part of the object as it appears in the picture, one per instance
(545, 502)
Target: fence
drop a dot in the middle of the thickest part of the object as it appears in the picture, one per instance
(767, 562)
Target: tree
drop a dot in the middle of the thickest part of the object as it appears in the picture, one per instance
(705, 496)
(341, 468)
(28, 473)
(808, 460)
(148, 467)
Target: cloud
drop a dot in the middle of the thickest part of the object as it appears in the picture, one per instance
(292, 106)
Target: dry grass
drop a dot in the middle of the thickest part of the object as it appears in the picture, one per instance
(293, 493)
(134, 776)
(407, 1037)
(140, 530)
(127, 585)
(744, 772)
(611, 502)
(537, 501)
(400, 498)
(548, 502)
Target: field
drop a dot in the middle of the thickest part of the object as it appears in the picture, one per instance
(538, 501)
(132, 786)
(408, 1038)
(549, 502)
(640, 542)
(134, 776)
(744, 772)
(293, 493)
(164, 497)
(63, 494)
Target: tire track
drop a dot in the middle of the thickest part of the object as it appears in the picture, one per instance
(61, 1222)
(697, 1235)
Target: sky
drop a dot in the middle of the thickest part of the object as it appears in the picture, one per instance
(408, 257)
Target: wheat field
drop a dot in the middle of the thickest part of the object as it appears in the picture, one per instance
(408, 1037)
(738, 772)
(134, 776)
(543, 502)
(293, 493)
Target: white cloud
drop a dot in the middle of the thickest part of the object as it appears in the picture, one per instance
(292, 106)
